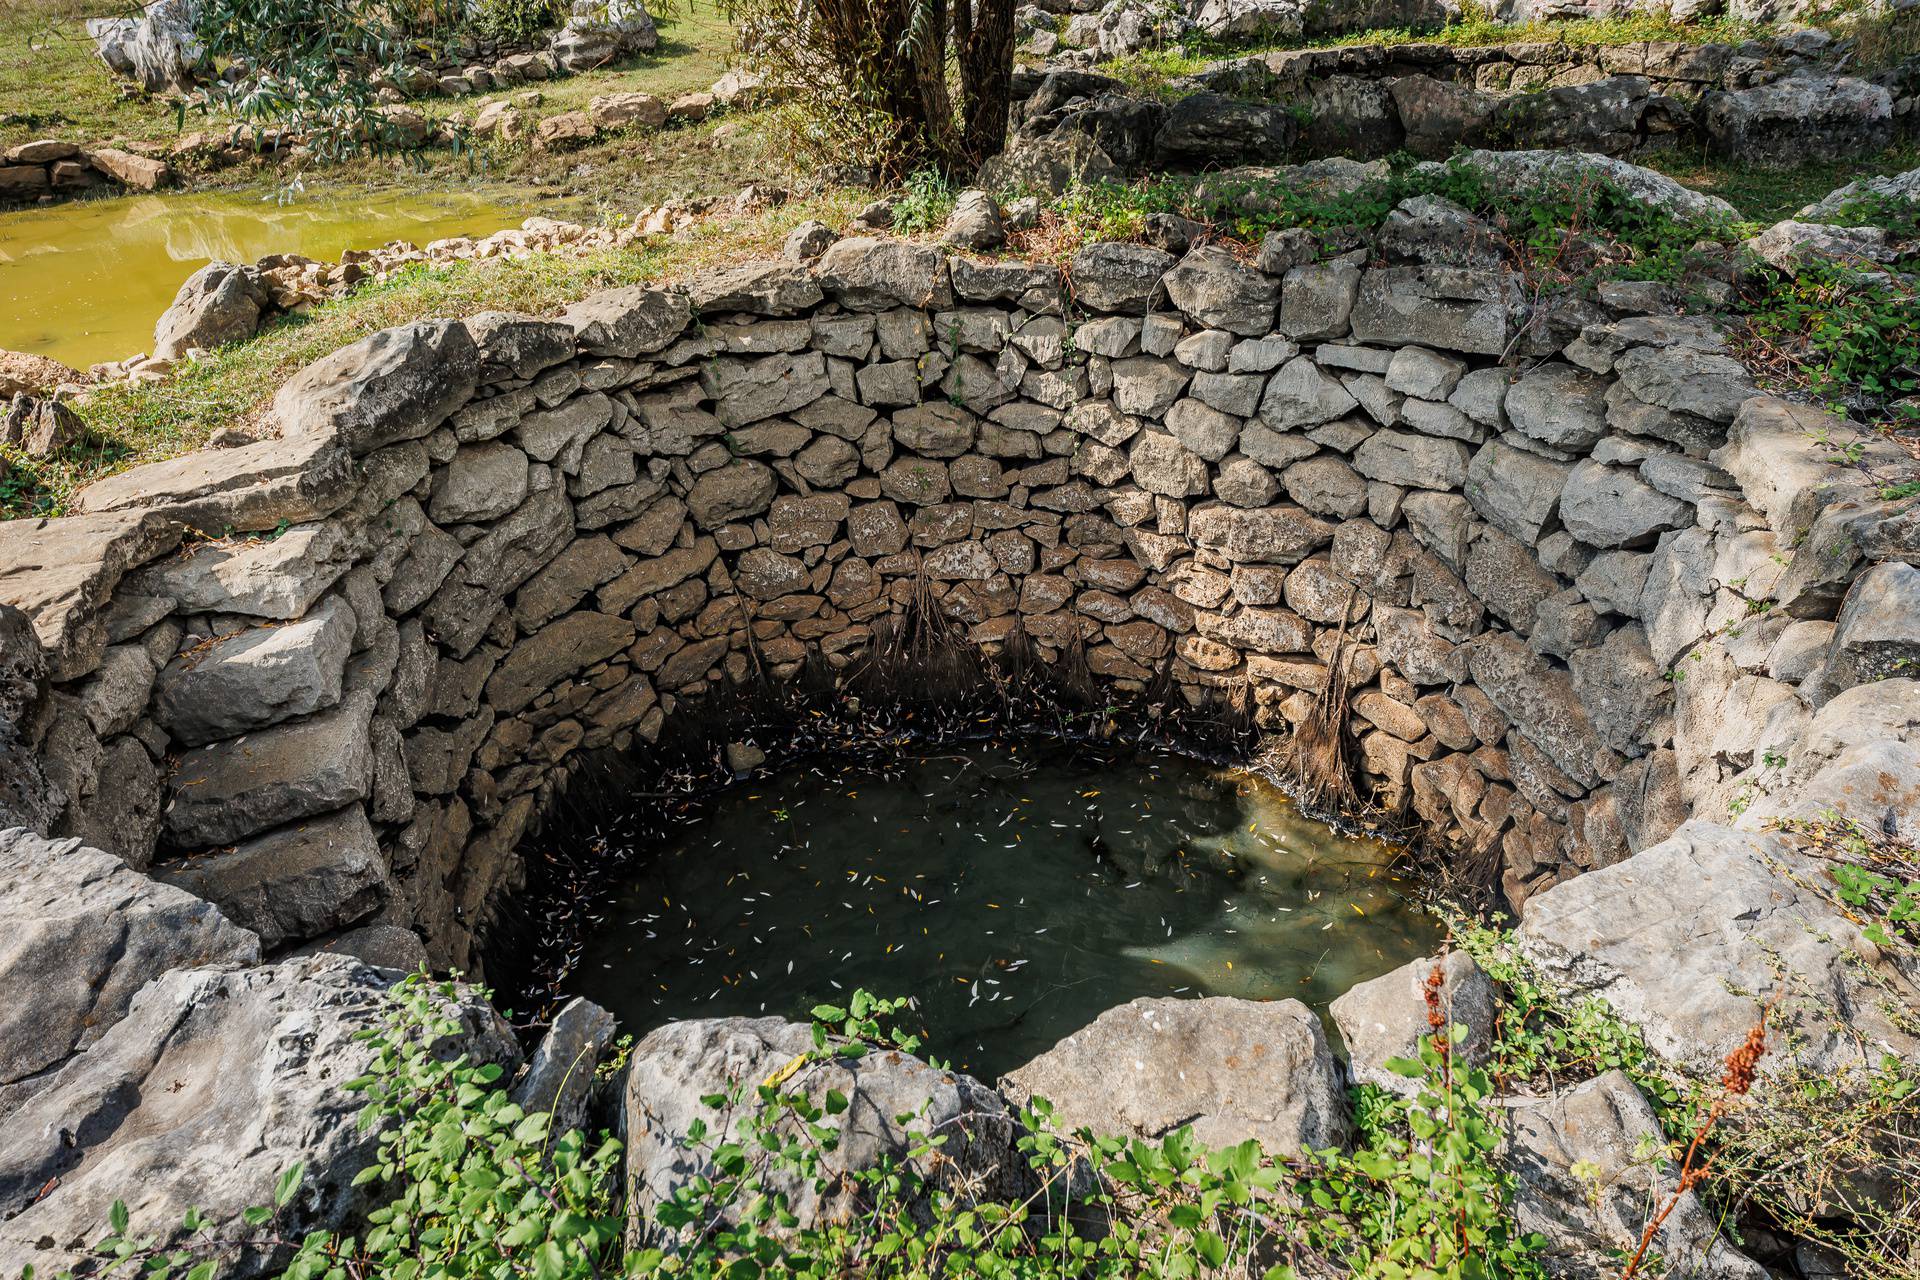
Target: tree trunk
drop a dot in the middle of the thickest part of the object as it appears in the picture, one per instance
(983, 44)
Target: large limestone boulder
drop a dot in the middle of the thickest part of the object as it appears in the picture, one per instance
(83, 933)
(1877, 635)
(212, 1084)
(1232, 1069)
(629, 321)
(1688, 940)
(220, 303)
(602, 31)
(677, 1065)
(1858, 759)
(159, 49)
(1596, 1215)
(868, 274)
(1207, 130)
(1516, 169)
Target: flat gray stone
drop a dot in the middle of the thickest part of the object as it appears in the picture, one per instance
(257, 677)
(248, 489)
(276, 578)
(397, 384)
(1612, 507)
(227, 790)
(295, 882)
(629, 321)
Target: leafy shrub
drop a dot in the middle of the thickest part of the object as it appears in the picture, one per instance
(1544, 1038)
(477, 1188)
(1853, 335)
(925, 202)
(516, 21)
(314, 66)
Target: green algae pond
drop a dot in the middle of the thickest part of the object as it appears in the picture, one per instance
(84, 281)
(1016, 891)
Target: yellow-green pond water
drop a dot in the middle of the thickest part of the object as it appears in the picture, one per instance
(84, 281)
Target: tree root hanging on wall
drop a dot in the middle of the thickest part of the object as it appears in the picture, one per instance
(1317, 756)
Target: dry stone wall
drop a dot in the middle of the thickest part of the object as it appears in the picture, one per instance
(1591, 581)
(1762, 102)
(49, 169)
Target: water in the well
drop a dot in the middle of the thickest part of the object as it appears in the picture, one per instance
(84, 281)
(1016, 891)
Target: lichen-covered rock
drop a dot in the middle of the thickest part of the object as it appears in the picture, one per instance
(1784, 120)
(1862, 192)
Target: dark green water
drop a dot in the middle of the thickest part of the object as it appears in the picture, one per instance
(1016, 892)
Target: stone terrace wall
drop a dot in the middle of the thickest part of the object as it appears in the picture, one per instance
(1762, 103)
(327, 680)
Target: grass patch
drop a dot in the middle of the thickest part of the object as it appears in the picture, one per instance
(1768, 195)
(137, 424)
(52, 85)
